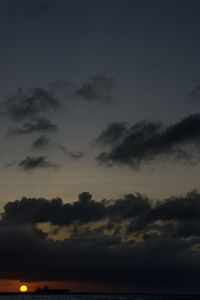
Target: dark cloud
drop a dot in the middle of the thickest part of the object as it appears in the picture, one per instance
(76, 155)
(84, 210)
(130, 216)
(179, 208)
(29, 103)
(33, 103)
(41, 143)
(146, 141)
(112, 134)
(129, 206)
(98, 258)
(40, 125)
(33, 163)
(97, 88)
(174, 217)
(155, 257)
(140, 210)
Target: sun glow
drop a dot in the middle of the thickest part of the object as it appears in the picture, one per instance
(23, 288)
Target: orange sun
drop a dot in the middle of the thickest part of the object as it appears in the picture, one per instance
(23, 288)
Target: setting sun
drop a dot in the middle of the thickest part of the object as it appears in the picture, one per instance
(23, 288)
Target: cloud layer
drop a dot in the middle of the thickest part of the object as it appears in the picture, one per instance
(132, 241)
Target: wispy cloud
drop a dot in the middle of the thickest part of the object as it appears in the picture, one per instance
(76, 155)
(97, 88)
(41, 143)
(29, 103)
(33, 163)
(37, 126)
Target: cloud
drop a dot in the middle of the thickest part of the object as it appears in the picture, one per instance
(32, 103)
(10, 164)
(40, 125)
(97, 88)
(41, 143)
(113, 133)
(33, 163)
(98, 258)
(29, 103)
(176, 217)
(145, 141)
(153, 257)
(83, 211)
(76, 155)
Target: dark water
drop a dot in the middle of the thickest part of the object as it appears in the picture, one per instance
(98, 297)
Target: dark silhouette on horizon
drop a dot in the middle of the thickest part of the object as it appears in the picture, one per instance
(46, 291)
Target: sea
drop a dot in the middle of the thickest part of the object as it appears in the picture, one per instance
(98, 297)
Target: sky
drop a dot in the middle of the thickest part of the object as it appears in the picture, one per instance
(100, 145)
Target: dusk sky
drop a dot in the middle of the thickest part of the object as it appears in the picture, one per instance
(100, 145)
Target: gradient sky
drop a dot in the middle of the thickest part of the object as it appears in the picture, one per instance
(102, 62)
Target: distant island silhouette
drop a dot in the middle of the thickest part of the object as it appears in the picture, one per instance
(47, 291)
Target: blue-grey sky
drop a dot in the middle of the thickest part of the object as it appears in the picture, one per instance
(150, 48)
(91, 64)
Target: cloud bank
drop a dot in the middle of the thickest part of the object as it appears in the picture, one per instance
(132, 241)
